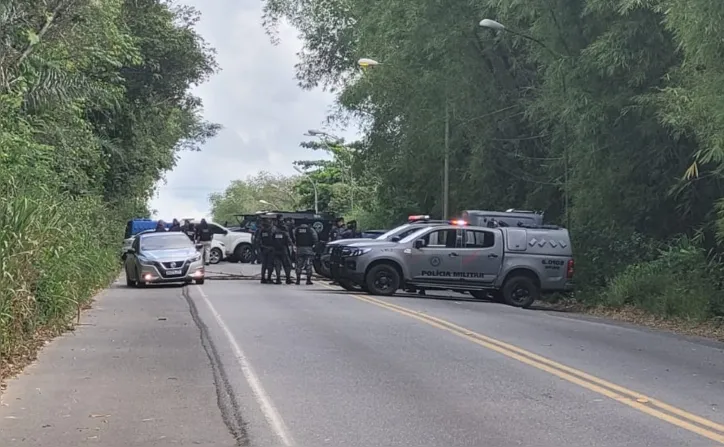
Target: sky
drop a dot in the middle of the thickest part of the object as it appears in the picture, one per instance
(255, 97)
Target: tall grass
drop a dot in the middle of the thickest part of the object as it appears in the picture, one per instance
(55, 253)
(682, 282)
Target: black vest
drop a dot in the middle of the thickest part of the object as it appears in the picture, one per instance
(303, 236)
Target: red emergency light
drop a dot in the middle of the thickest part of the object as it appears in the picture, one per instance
(418, 217)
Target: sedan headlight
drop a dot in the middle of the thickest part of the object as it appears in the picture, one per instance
(195, 258)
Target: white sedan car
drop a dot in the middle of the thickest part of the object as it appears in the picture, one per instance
(216, 255)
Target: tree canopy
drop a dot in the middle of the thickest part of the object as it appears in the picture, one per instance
(605, 114)
(94, 108)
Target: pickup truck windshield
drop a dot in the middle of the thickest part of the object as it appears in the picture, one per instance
(414, 235)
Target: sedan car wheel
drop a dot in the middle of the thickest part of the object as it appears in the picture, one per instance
(129, 282)
(215, 256)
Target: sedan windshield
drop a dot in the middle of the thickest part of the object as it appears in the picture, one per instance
(172, 241)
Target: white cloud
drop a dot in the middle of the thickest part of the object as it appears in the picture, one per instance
(257, 100)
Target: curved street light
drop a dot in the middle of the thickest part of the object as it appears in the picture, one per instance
(367, 62)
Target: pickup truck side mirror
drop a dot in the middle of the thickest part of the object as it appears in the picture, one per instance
(131, 250)
(395, 239)
(419, 243)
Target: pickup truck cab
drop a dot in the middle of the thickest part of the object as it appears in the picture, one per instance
(520, 263)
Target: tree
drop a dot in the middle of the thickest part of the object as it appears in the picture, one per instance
(246, 196)
(94, 107)
(605, 114)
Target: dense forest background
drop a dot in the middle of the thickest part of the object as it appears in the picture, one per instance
(608, 115)
(94, 108)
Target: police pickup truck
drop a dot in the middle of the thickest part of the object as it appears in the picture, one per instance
(413, 224)
(518, 263)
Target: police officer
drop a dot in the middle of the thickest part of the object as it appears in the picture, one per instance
(305, 238)
(289, 228)
(281, 242)
(336, 231)
(350, 232)
(265, 243)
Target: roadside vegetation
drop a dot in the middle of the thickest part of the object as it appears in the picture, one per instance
(94, 107)
(609, 118)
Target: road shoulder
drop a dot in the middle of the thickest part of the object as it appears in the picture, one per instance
(135, 372)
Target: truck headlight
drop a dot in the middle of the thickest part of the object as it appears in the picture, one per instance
(359, 251)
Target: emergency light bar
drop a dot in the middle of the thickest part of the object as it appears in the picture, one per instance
(415, 218)
(458, 222)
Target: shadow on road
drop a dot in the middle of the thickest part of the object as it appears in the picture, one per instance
(458, 298)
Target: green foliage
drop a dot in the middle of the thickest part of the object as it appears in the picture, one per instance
(245, 196)
(94, 107)
(617, 104)
(681, 282)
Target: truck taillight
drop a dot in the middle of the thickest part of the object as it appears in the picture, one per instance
(569, 269)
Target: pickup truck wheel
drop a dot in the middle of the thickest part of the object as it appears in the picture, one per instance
(520, 291)
(215, 255)
(382, 279)
(243, 253)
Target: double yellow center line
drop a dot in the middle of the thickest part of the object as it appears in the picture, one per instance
(660, 410)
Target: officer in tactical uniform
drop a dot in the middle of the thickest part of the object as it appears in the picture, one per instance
(265, 242)
(281, 242)
(337, 230)
(289, 228)
(306, 238)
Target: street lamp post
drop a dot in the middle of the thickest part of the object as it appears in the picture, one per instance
(367, 62)
(314, 186)
(497, 26)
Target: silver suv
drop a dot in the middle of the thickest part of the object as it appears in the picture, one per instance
(519, 264)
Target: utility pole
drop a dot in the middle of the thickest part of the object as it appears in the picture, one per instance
(446, 165)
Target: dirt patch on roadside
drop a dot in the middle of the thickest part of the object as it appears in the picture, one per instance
(711, 329)
(27, 353)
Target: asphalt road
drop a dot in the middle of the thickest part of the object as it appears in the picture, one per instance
(238, 362)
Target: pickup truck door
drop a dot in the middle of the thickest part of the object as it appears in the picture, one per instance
(481, 256)
(438, 260)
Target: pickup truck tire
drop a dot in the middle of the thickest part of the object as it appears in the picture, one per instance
(520, 291)
(243, 253)
(382, 279)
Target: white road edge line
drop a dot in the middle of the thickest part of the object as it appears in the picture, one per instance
(262, 398)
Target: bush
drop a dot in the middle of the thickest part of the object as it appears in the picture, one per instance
(680, 282)
(55, 253)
